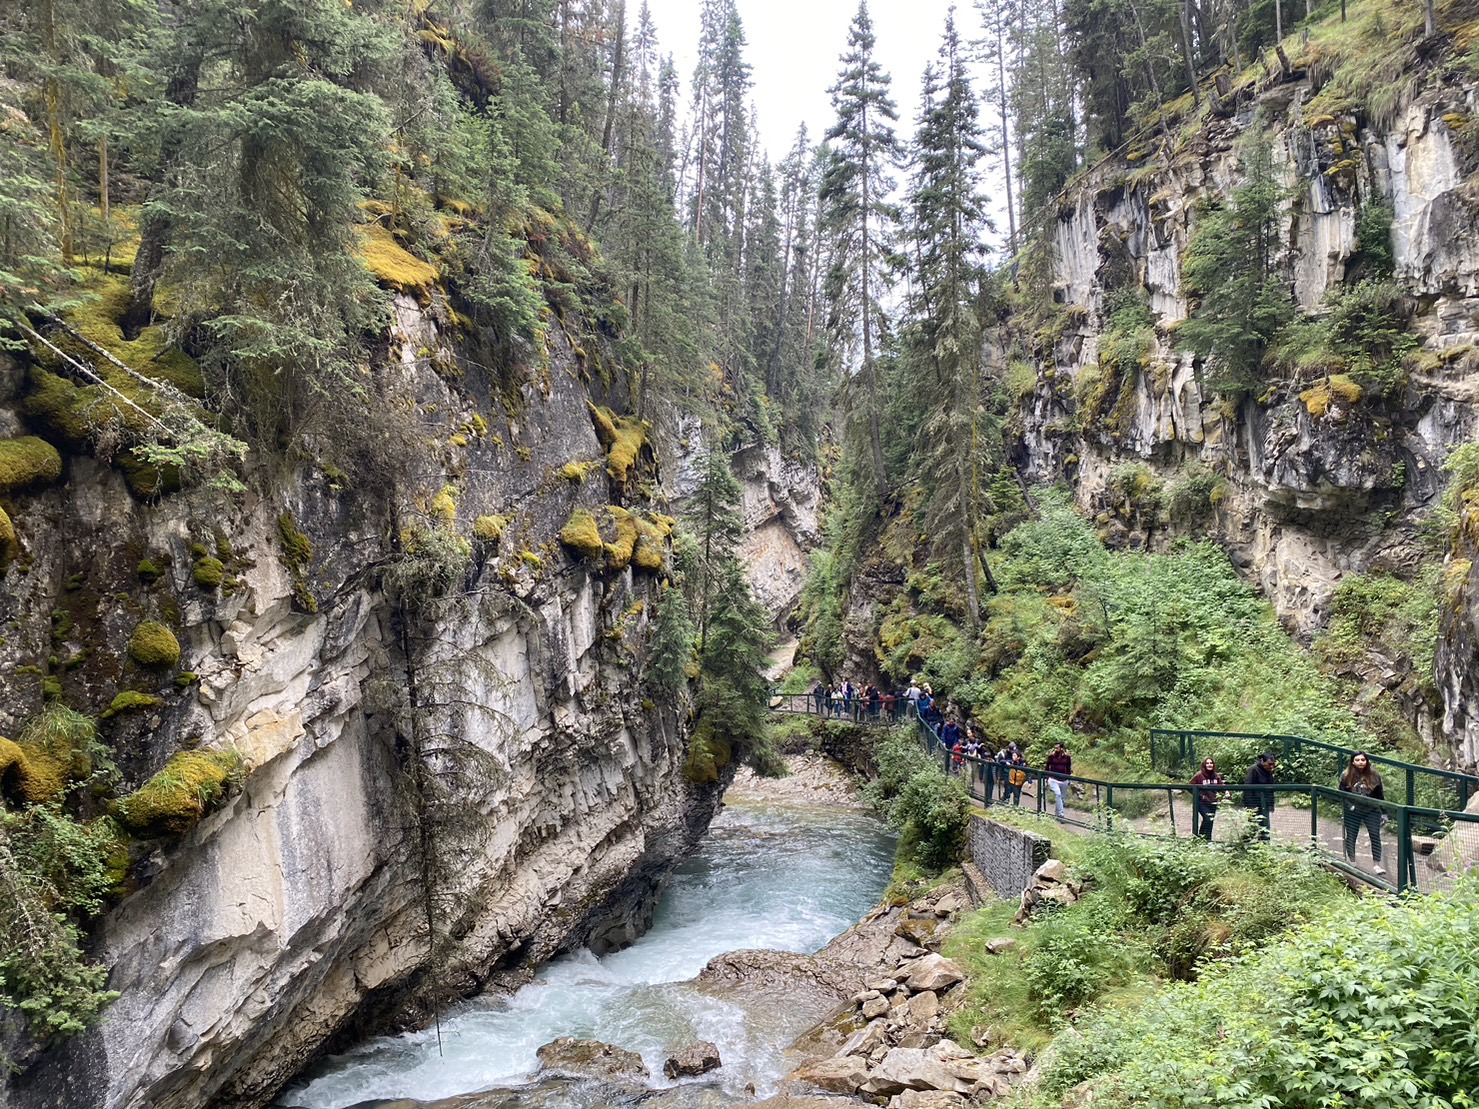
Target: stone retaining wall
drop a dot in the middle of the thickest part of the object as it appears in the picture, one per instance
(1007, 856)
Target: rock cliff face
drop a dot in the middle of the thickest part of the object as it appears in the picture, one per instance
(782, 506)
(293, 917)
(1309, 492)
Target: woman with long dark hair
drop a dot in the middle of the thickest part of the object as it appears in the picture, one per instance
(1205, 799)
(1361, 780)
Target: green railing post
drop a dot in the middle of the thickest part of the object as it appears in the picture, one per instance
(1404, 851)
(1411, 787)
(1314, 819)
(1109, 808)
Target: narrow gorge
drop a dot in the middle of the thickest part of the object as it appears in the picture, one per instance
(432, 433)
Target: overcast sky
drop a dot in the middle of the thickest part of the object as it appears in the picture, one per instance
(794, 47)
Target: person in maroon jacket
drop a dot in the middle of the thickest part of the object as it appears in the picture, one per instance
(1059, 765)
(1206, 799)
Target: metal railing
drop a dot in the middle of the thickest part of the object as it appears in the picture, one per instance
(887, 711)
(1409, 847)
(1179, 753)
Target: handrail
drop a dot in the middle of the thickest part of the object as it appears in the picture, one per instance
(1409, 820)
(1462, 787)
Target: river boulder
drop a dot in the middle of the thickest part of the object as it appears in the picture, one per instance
(591, 1059)
(697, 1058)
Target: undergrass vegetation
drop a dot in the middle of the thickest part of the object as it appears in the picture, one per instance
(1095, 647)
(929, 810)
(1370, 1003)
(1152, 912)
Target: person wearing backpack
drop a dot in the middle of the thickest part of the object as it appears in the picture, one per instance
(1205, 800)
(1017, 778)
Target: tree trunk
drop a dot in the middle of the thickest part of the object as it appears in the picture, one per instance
(1186, 54)
(155, 230)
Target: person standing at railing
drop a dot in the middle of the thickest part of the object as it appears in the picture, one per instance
(1260, 802)
(1206, 799)
(1059, 765)
(819, 695)
(1017, 777)
(1361, 780)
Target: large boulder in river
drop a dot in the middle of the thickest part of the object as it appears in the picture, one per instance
(693, 1060)
(591, 1059)
(814, 983)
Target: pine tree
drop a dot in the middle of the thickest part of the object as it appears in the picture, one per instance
(957, 444)
(860, 220)
(1232, 268)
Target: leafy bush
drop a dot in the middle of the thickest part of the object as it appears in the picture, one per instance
(1153, 911)
(54, 873)
(929, 810)
(1371, 1006)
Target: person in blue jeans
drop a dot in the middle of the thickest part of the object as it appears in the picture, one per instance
(1059, 765)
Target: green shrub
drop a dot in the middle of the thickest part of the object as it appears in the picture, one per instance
(1371, 1005)
(54, 874)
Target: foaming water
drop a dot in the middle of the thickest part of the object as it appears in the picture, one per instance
(782, 877)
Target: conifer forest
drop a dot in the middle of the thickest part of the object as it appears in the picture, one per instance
(437, 437)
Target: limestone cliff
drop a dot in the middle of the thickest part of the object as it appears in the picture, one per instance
(1309, 488)
(292, 918)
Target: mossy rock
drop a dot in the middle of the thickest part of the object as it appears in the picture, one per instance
(28, 461)
(489, 529)
(392, 263)
(131, 700)
(209, 572)
(174, 800)
(145, 480)
(149, 571)
(651, 546)
(620, 549)
(443, 507)
(582, 536)
(297, 551)
(151, 354)
(707, 757)
(1319, 398)
(53, 751)
(154, 647)
(9, 545)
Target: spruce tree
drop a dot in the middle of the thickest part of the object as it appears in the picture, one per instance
(957, 446)
(860, 221)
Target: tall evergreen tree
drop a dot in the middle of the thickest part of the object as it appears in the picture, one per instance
(948, 218)
(861, 220)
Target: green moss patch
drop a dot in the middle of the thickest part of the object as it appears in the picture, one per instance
(154, 647)
(174, 800)
(9, 544)
(131, 700)
(652, 538)
(28, 461)
(489, 529)
(53, 751)
(297, 556)
(151, 354)
(392, 263)
(623, 438)
(209, 572)
(707, 756)
(582, 536)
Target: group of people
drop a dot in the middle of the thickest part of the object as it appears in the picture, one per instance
(1004, 773)
(846, 701)
(1360, 781)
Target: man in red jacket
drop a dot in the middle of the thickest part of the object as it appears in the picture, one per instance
(1059, 765)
